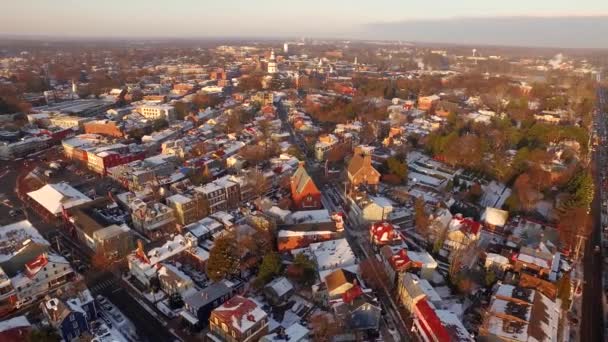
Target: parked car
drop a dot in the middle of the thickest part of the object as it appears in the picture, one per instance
(101, 299)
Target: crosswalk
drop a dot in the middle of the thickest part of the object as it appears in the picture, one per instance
(101, 286)
(443, 267)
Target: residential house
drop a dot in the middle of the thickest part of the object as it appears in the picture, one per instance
(375, 208)
(312, 220)
(288, 240)
(294, 333)
(461, 233)
(398, 259)
(173, 280)
(70, 322)
(28, 269)
(431, 325)
(360, 313)
(519, 314)
(199, 305)
(384, 233)
(188, 208)
(240, 319)
(220, 194)
(153, 220)
(338, 282)
(278, 290)
(412, 289)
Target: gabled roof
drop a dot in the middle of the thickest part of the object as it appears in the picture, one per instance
(280, 286)
(360, 161)
(384, 232)
(365, 317)
(300, 179)
(242, 312)
(400, 260)
(338, 278)
(465, 225)
(433, 326)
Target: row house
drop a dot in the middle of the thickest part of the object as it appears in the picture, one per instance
(153, 220)
(29, 270)
(188, 207)
(220, 194)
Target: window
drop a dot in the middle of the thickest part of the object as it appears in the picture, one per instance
(224, 327)
(75, 325)
(72, 318)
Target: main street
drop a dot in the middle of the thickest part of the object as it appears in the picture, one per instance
(592, 322)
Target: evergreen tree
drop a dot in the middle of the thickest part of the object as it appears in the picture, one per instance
(269, 268)
(223, 258)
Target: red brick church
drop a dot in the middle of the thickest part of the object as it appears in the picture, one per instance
(304, 193)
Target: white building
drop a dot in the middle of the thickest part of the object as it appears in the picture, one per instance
(143, 266)
(57, 197)
(29, 269)
(156, 112)
(272, 64)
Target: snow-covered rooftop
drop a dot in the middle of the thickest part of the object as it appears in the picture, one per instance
(17, 236)
(333, 254)
(54, 197)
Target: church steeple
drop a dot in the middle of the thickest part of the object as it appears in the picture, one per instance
(272, 63)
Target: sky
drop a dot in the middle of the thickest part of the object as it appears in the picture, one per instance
(408, 20)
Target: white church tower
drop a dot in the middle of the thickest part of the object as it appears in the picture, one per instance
(272, 63)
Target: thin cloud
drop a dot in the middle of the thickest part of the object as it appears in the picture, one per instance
(545, 31)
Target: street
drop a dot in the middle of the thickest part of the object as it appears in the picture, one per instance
(360, 247)
(592, 322)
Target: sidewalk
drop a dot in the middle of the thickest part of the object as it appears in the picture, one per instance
(571, 331)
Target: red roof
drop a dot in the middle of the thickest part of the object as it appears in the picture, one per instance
(352, 294)
(467, 225)
(400, 260)
(35, 265)
(430, 322)
(470, 226)
(384, 232)
(236, 306)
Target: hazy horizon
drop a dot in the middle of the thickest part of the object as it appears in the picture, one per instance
(541, 23)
